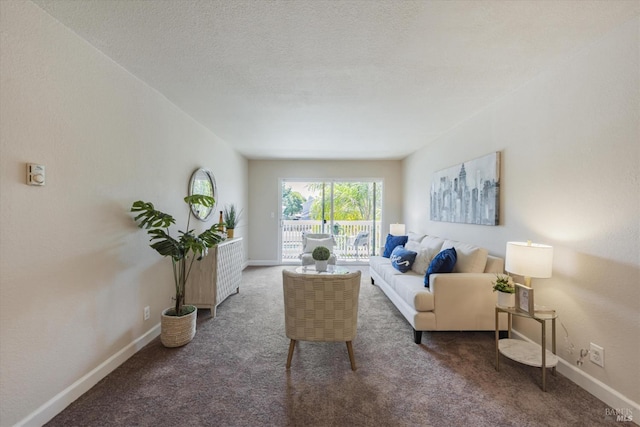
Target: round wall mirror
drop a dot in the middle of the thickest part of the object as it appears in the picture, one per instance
(202, 182)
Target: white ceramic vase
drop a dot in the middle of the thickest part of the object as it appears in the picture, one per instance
(506, 299)
(321, 265)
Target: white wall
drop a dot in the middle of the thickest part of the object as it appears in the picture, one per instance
(75, 272)
(570, 148)
(264, 195)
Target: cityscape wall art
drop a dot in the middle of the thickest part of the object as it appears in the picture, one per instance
(468, 193)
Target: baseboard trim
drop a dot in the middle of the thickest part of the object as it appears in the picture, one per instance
(67, 396)
(263, 263)
(608, 395)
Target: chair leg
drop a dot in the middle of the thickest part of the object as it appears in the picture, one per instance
(292, 345)
(351, 358)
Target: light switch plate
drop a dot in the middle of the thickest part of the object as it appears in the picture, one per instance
(35, 174)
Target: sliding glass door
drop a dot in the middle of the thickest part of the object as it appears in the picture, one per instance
(348, 210)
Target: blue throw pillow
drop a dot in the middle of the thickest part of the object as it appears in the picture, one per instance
(402, 259)
(442, 263)
(392, 242)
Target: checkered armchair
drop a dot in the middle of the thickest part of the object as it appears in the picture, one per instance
(321, 307)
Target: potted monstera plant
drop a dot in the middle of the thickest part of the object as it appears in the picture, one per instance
(178, 323)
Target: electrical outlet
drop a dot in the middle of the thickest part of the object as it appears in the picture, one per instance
(596, 354)
(147, 313)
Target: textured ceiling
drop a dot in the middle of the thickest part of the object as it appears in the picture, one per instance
(336, 79)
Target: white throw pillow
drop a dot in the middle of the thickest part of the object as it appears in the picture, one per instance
(314, 243)
(433, 244)
(412, 246)
(423, 257)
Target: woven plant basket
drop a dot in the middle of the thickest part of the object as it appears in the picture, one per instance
(177, 331)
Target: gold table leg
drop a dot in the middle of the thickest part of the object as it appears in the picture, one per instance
(544, 355)
(497, 339)
(553, 342)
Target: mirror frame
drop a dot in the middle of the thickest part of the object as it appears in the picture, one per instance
(200, 212)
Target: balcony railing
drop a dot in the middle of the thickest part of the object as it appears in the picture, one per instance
(344, 233)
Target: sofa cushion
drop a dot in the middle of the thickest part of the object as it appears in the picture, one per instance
(388, 274)
(409, 287)
(376, 262)
(383, 267)
(402, 259)
(423, 257)
(444, 262)
(392, 242)
(494, 265)
(471, 258)
(415, 237)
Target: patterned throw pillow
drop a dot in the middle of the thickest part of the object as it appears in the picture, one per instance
(392, 242)
(442, 263)
(402, 259)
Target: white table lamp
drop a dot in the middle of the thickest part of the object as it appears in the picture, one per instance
(397, 229)
(529, 260)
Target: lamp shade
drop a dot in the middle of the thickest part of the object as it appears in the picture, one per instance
(397, 229)
(529, 259)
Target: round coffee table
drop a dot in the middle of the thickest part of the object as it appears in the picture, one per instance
(331, 269)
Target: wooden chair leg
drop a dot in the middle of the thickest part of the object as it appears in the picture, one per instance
(352, 359)
(292, 345)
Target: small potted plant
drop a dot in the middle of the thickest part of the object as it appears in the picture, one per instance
(178, 323)
(506, 290)
(321, 256)
(231, 219)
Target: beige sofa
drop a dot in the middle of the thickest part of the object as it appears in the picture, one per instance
(462, 300)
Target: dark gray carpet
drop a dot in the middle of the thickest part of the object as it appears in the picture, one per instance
(233, 374)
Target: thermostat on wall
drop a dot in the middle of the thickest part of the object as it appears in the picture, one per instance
(35, 174)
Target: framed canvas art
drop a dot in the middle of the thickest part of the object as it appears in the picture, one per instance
(468, 193)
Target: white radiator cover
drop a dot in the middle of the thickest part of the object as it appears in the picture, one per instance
(229, 269)
(216, 277)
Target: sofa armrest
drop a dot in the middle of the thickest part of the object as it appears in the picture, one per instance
(463, 299)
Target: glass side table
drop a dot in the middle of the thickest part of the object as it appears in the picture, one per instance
(526, 352)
